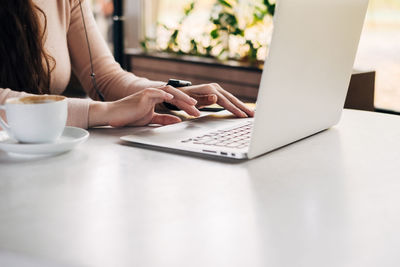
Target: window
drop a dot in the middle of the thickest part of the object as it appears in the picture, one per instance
(223, 29)
(380, 50)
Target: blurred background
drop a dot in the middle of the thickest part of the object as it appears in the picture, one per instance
(379, 50)
(151, 23)
(103, 12)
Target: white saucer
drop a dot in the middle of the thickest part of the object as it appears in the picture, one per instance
(70, 138)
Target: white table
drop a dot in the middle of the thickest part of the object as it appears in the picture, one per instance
(330, 200)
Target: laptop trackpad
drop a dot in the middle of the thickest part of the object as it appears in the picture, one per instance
(186, 129)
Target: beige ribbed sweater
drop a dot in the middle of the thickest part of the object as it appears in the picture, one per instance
(67, 44)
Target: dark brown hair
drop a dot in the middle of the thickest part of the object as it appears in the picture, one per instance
(24, 63)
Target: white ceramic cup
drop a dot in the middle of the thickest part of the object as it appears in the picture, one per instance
(35, 119)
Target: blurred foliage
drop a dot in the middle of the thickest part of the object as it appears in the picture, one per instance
(224, 24)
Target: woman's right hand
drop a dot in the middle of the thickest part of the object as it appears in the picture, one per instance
(135, 110)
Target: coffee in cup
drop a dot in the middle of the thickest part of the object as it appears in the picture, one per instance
(35, 119)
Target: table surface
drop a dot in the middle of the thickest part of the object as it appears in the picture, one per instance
(329, 200)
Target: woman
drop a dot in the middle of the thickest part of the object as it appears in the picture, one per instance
(41, 41)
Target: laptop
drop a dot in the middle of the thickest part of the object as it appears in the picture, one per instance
(302, 91)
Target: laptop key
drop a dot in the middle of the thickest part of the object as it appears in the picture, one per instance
(213, 142)
(234, 137)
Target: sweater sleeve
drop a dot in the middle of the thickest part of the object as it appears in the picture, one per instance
(78, 109)
(112, 80)
(78, 112)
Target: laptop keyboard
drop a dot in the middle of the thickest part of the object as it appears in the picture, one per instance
(236, 137)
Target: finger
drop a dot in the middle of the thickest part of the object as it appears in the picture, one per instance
(156, 96)
(206, 100)
(223, 101)
(234, 100)
(189, 109)
(202, 89)
(164, 119)
(228, 101)
(179, 95)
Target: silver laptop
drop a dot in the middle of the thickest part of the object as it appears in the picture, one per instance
(302, 90)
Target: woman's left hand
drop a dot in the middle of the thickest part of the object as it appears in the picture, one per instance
(209, 94)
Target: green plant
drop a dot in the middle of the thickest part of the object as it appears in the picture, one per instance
(224, 24)
(173, 46)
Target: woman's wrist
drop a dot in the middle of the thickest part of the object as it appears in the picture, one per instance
(99, 113)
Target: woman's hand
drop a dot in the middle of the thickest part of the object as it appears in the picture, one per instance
(138, 109)
(208, 94)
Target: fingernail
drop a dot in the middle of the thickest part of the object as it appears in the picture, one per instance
(211, 98)
(194, 101)
(169, 96)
